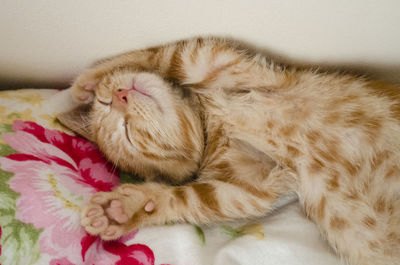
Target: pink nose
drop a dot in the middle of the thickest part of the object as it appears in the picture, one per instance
(122, 95)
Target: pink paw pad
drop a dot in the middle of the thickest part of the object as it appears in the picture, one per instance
(90, 86)
(99, 222)
(110, 232)
(83, 97)
(98, 198)
(116, 212)
(150, 206)
(92, 212)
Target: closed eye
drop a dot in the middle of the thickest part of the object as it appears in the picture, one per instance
(103, 101)
(126, 127)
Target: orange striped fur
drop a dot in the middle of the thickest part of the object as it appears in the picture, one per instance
(251, 132)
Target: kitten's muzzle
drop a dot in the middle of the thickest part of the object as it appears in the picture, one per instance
(121, 95)
(120, 99)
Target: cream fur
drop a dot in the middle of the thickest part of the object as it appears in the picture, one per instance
(252, 132)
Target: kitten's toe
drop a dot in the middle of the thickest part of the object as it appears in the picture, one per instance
(97, 225)
(100, 198)
(90, 212)
(90, 86)
(84, 97)
(83, 91)
(81, 95)
(112, 232)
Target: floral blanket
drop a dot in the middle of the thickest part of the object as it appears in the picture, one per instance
(47, 174)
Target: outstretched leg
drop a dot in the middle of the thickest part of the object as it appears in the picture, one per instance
(113, 214)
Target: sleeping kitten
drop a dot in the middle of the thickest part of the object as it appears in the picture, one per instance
(251, 132)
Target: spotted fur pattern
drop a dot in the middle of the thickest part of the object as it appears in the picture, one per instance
(252, 132)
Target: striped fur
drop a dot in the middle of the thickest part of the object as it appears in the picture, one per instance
(251, 132)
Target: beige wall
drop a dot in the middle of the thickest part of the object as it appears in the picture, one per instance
(49, 42)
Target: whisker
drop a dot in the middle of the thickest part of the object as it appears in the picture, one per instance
(114, 167)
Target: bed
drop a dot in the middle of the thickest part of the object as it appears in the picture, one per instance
(47, 174)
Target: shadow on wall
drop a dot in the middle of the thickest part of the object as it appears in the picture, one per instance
(7, 84)
(389, 73)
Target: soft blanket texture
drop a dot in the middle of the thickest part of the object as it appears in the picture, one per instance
(47, 174)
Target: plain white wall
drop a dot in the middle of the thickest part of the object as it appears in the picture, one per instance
(49, 42)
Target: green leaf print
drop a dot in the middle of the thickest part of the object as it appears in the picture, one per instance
(6, 150)
(19, 241)
(5, 128)
(201, 235)
(249, 229)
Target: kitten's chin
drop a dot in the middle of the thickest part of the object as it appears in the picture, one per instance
(119, 107)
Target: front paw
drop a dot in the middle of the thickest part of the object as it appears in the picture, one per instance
(83, 88)
(111, 215)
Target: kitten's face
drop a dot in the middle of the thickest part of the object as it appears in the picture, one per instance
(143, 124)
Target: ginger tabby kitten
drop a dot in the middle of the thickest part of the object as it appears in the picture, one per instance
(251, 132)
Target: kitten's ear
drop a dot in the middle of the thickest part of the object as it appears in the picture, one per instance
(77, 120)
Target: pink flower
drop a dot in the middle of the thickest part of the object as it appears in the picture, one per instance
(63, 261)
(56, 173)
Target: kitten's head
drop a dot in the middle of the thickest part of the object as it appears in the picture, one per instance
(145, 125)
